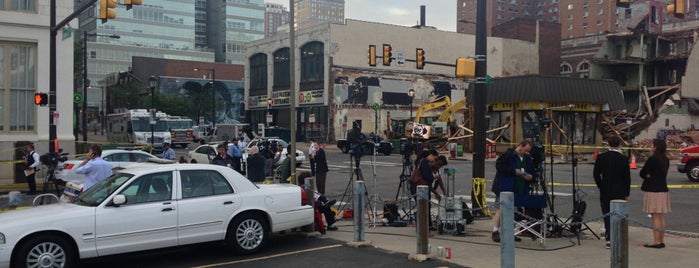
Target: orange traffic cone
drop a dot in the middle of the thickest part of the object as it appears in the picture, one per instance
(633, 162)
(594, 156)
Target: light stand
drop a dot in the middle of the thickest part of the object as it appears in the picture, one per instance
(213, 93)
(375, 197)
(152, 82)
(403, 193)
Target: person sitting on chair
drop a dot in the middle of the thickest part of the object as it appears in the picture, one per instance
(322, 204)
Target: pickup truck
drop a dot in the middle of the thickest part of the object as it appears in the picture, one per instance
(689, 163)
(384, 147)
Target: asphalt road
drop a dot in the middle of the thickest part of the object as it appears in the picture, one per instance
(387, 169)
(288, 250)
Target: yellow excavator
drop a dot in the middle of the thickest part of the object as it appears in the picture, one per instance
(436, 126)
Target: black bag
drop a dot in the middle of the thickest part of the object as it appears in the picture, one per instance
(390, 212)
(467, 213)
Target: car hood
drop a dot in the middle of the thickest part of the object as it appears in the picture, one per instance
(46, 215)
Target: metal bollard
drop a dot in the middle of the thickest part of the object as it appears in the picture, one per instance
(310, 199)
(359, 204)
(507, 232)
(423, 217)
(619, 235)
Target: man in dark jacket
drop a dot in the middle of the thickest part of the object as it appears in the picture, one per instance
(256, 165)
(321, 169)
(514, 170)
(613, 178)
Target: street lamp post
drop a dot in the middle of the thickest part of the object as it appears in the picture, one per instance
(628, 135)
(213, 93)
(269, 113)
(152, 82)
(85, 81)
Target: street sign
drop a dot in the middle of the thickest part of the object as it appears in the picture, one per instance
(400, 58)
(311, 118)
(269, 118)
(78, 98)
(376, 106)
(67, 32)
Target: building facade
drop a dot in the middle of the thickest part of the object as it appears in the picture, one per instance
(275, 15)
(336, 86)
(24, 70)
(311, 12)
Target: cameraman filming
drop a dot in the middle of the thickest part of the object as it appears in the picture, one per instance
(356, 139)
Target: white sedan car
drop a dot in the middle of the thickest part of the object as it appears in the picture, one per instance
(300, 156)
(117, 157)
(150, 207)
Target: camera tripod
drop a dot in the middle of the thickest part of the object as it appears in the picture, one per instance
(355, 170)
(403, 194)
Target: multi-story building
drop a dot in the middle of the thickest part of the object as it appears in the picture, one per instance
(275, 15)
(24, 71)
(310, 12)
(336, 85)
(158, 29)
(231, 24)
(578, 18)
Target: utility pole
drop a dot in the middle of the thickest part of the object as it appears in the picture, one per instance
(292, 89)
(479, 105)
(53, 31)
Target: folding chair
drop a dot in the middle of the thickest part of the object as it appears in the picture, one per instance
(531, 203)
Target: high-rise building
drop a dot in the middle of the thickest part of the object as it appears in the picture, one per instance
(578, 18)
(157, 29)
(231, 24)
(275, 15)
(310, 12)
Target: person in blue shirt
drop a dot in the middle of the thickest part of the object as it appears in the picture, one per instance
(168, 152)
(237, 154)
(94, 167)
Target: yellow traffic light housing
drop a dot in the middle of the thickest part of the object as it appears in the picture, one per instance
(465, 68)
(677, 8)
(387, 55)
(420, 58)
(106, 10)
(623, 3)
(130, 3)
(371, 53)
(41, 99)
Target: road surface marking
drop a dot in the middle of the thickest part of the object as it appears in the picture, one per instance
(269, 257)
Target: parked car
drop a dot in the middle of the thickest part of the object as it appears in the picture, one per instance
(689, 163)
(149, 208)
(117, 157)
(300, 156)
(203, 154)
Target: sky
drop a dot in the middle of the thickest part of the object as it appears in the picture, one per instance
(439, 13)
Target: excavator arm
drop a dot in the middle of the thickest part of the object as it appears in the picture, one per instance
(448, 114)
(443, 101)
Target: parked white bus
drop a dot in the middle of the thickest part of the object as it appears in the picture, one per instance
(134, 126)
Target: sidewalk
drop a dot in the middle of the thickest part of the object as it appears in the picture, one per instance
(476, 249)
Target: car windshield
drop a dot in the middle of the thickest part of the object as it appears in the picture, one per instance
(100, 191)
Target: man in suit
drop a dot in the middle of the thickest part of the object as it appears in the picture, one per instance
(613, 178)
(256, 165)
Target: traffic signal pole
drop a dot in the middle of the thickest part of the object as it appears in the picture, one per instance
(479, 96)
(54, 28)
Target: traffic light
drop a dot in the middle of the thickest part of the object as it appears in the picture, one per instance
(106, 10)
(387, 55)
(129, 3)
(677, 8)
(372, 55)
(41, 99)
(420, 58)
(465, 68)
(623, 3)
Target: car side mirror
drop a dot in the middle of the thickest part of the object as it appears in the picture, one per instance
(119, 199)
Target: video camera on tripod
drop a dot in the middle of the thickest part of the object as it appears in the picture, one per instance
(52, 159)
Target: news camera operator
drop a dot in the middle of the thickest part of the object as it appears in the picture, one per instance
(356, 138)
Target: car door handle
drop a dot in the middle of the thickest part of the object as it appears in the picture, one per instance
(228, 202)
(167, 209)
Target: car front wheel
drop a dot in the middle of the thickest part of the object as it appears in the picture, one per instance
(45, 251)
(693, 172)
(248, 234)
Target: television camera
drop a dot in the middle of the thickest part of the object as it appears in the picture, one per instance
(52, 159)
